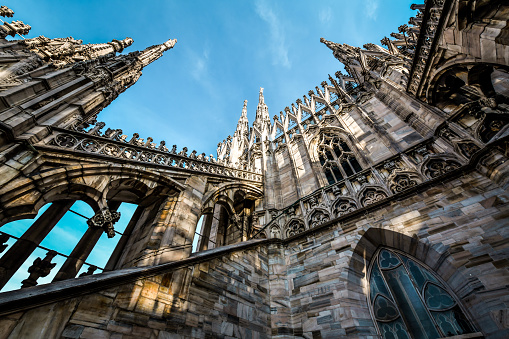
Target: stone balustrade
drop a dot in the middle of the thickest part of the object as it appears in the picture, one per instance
(417, 165)
(88, 138)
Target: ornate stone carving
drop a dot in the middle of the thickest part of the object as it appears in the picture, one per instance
(13, 28)
(275, 232)
(372, 195)
(291, 211)
(401, 182)
(342, 207)
(105, 219)
(294, 227)
(491, 125)
(139, 150)
(40, 268)
(91, 269)
(64, 51)
(313, 202)
(6, 12)
(317, 218)
(467, 148)
(437, 167)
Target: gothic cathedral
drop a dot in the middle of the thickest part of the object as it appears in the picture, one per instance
(374, 206)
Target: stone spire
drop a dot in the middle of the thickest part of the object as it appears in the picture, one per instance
(153, 53)
(262, 119)
(349, 56)
(243, 124)
(346, 54)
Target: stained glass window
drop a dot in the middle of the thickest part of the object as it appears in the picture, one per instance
(408, 301)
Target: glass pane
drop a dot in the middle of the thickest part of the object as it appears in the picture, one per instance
(417, 274)
(329, 155)
(322, 159)
(337, 151)
(452, 322)
(347, 168)
(337, 173)
(344, 146)
(437, 298)
(417, 318)
(355, 164)
(329, 176)
(393, 330)
(388, 260)
(377, 284)
(384, 309)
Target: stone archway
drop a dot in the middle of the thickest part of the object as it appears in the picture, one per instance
(436, 256)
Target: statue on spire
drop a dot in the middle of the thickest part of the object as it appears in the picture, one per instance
(153, 53)
(260, 97)
(262, 119)
(244, 109)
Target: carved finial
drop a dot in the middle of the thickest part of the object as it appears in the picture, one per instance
(119, 45)
(153, 53)
(40, 268)
(261, 100)
(244, 109)
(169, 44)
(105, 219)
(6, 12)
(91, 269)
(416, 6)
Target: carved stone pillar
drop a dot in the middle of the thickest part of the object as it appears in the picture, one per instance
(101, 221)
(115, 256)
(12, 260)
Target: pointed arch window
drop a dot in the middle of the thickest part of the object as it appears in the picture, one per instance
(337, 159)
(408, 301)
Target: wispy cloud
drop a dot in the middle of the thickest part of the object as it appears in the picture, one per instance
(371, 8)
(200, 65)
(325, 15)
(277, 41)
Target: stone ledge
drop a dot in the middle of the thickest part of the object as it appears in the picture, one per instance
(28, 298)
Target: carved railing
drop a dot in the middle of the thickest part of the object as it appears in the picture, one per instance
(428, 23)
(88, 138)
(417, 165)
(41, 267)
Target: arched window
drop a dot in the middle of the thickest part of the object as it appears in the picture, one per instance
(337, 159)
(408, 301)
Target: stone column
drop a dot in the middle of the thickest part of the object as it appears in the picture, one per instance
(80, 253)
(12, 260)
(203, 242)
(218, 228)
(115, 256)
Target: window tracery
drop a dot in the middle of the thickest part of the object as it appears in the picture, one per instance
(408, 301)
(337, 159)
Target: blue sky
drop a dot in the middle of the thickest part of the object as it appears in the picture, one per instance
(226, 51)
